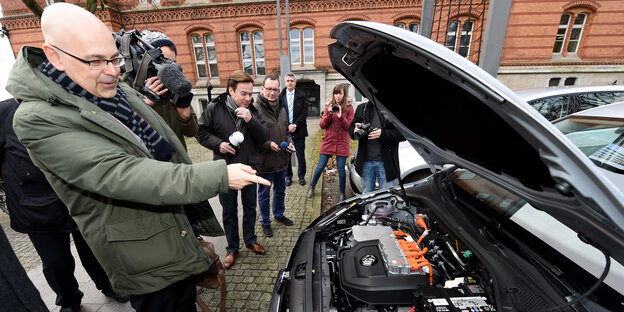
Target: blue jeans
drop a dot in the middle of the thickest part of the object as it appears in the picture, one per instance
(229, 202)
(371, 171)
(278, 180)
(340, 163)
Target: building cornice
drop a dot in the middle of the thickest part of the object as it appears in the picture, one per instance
(588, 63)
(220, 11)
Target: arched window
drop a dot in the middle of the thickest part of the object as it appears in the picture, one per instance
(205, 55)
(302, 46)
(572, 24)
(252, 52)
(465, 39)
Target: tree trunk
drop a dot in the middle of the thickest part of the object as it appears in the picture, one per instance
(34, 7)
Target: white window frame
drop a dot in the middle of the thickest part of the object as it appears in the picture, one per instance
(206, 62)
(295, 47)
(451, 33)
(408, 25)
(257, 60)
(253, 43)
(468, 34)
(400, 25)
(199, 63)
(212, 45)
(307, 42)
(580, 34)
(297, 50)
(565, 34)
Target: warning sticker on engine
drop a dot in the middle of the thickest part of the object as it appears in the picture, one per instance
(467, 302)
(439, 302)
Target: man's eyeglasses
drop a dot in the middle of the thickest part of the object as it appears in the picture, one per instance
(97, 64)
(271, 90)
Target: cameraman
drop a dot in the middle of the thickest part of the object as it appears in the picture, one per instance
(378, 148)
(182, 120)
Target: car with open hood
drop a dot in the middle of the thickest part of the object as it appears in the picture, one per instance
(513, 218)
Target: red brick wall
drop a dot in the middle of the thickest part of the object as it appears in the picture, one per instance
(533, 25)
(530, 32)
(224, 19)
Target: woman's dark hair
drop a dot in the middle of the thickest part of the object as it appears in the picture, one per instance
(337, 89)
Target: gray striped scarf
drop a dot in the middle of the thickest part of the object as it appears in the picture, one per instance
(119, 108)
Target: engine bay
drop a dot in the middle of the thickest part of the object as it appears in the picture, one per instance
(390, 255)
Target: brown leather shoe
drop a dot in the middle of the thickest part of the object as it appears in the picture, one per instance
(230, 257)
(257, 248)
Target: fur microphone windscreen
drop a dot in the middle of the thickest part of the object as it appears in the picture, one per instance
(172, 77)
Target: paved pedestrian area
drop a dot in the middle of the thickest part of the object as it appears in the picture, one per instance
(250, 280)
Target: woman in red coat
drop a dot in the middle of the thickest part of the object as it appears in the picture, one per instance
(336, 118)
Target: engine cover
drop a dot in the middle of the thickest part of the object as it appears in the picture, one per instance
(364, 276)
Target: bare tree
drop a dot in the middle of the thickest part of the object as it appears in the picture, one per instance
(36, 8)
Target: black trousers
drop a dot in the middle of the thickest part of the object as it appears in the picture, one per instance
(177, 297)
(17, 292)
(229, 203)
(58, 265)
(299, 144)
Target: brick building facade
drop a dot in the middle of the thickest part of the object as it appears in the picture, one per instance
(576, 42)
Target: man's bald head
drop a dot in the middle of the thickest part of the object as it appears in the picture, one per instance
(66, 23)
(73, 36)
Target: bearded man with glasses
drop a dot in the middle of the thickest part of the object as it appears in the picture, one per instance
(121, 171)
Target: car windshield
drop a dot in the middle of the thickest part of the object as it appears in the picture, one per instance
(600, 138)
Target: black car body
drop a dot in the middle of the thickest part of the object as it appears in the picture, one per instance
(463, 238)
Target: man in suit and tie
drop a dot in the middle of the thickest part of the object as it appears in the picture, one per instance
(296, 106)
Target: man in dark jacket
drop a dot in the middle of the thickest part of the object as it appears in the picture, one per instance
(296, 106)
(35, 209)
(233, 112)
(378, 151)
(275, 157)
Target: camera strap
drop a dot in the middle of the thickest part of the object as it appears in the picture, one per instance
(141, 75)
(125, 51)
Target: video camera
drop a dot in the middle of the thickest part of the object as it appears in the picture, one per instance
(143, 61)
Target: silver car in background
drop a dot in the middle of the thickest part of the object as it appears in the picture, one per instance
(412, 167)
(558, 102)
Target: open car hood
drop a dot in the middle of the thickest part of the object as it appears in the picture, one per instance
(453, 112)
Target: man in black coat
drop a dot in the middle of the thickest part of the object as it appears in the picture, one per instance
(233, 112)
(35, 209)
(296, 106)
(378, 151)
